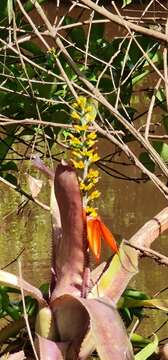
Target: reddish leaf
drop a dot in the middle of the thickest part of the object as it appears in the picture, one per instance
(47, 349)
(94, 237)
(38, 163)
(70, 253)
(107, 330)
(108, 237)
(108, 334)
(96, 230)
(71, 318)
(15, 356)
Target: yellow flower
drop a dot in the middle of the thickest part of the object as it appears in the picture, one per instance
(94, 195)
(75, 105)
(75, 141)
(93, 173)
(90, 143)
(77, 154)
(89, 108)
(94, 158)
(91, 211)
(88, 153)
(80, 128)
(85, 187)
(89, 117)
(81, 101)
(92, 135)
(75, 115)
(78, 164)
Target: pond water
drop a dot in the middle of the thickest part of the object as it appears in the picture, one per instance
(124, 206)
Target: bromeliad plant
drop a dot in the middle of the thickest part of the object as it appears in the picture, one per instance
(79, 313)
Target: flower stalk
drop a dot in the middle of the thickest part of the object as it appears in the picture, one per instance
(82, 141)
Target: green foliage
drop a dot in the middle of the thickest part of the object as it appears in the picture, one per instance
(14, 308)
(148, 350)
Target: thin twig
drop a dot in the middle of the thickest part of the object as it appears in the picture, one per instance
(24, 311)
(22, 192)
(159, 258)
(150, 110)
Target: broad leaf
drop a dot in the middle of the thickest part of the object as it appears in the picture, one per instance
(114, 280)
(162, 149)
(70, 259)
(108, 334)
(107, 329)
(148, 350)
(161, 304)
(7, 278)
(35, 185)
(48, 350)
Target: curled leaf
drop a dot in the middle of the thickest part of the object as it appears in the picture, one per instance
(35, 185)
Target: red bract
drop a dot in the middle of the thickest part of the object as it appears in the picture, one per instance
(96, 230)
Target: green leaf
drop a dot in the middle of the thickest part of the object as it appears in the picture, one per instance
(139, 77)
(13, 312)
(147, 161)
(124, 265)
(7, 278)
(139, 340)
(5, 145)
(162, 149)
(161, 304)
(165, 123)
(9, 165)
(148, 350)
(12, 179)
(126, 2)
(76, 34)
(135, 294)
(10, 10)
(28, 6)
(97, 32)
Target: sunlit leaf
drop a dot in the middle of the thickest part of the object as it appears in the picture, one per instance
(147, 161)
(114, 280)
(126, 2)
(109, 334)
(45, 325)
(7, 278)
(148, 350)
(10, 10)
(139, 340)
(161, 304)
(35, 185)
(162, 149)
(48, 350)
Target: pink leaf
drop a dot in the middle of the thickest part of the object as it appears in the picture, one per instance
(107, 330)
(7, 278)
(70, 258)
(16, 356)
(38, 164)
(48, 350)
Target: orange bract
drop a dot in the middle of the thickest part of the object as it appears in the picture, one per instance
(96, 230)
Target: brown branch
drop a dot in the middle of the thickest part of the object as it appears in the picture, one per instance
(22, 192)
(159, 258)
(116, 19)
(151, 230)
